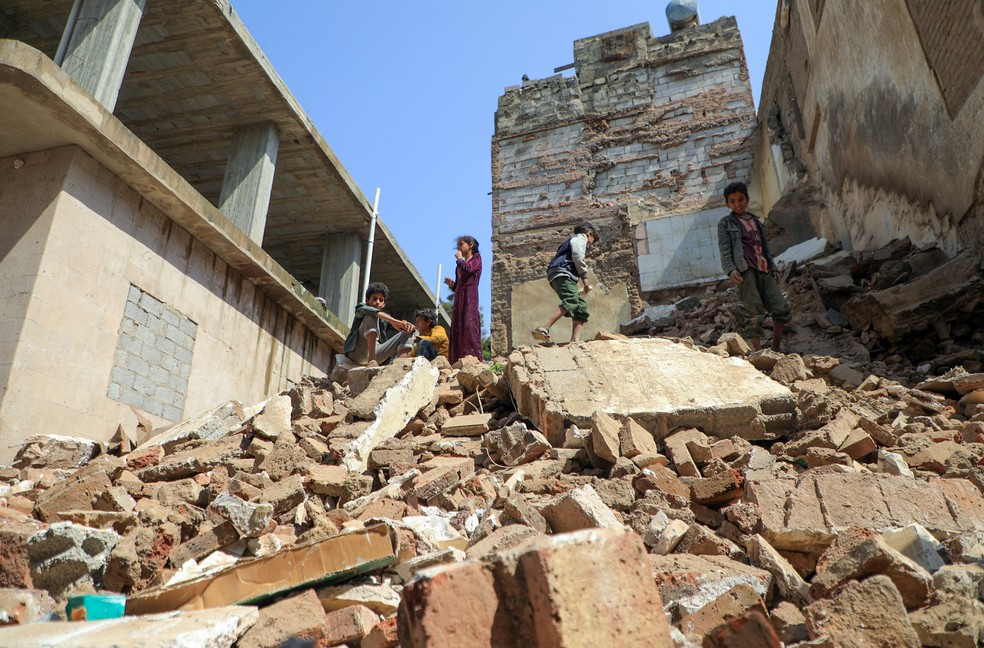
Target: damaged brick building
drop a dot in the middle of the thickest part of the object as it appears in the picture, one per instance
(872, 115)
(641, 140)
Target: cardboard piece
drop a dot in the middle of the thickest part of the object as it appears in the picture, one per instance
(254, 581)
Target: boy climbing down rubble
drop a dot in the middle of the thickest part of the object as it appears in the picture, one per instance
(563, 272)
(746, 259)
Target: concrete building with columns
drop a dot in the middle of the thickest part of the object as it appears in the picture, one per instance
(170, 215)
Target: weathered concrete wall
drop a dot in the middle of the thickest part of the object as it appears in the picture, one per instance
(78, 243)
(874, 111)
(647, 128)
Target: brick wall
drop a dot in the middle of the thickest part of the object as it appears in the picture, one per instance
(647, 128)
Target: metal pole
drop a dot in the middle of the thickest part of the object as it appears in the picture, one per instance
(67, 34)
(370, 244)
(437, 290)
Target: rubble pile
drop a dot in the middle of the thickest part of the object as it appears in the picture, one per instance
(897, 311)
(615, 492)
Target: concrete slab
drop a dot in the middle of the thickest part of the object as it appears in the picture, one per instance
(392, 411)
(805, 515)
(659, 383)
(215, 628)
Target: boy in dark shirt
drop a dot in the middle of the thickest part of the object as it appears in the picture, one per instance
(370, 341)
(746, 259)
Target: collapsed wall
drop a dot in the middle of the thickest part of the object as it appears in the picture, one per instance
(640, 141)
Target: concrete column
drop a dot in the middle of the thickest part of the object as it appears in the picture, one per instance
(248, 180)
(99, 45)
(341, 264)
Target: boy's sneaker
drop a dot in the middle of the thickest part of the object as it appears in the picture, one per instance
(541, 334)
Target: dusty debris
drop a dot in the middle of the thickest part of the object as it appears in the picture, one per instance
(452, 492)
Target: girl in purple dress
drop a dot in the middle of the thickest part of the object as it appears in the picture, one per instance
(466, 327)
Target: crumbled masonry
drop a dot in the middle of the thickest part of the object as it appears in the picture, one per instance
(619, 492)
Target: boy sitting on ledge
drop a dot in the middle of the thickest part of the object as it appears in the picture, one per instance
(376, 337)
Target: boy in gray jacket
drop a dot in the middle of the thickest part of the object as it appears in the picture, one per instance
(567, 267)
(746, 259)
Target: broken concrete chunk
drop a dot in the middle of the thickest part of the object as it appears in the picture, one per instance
(790, 584)
(452, 606)
(670, 537)
(718, 490)
(605, 433)
(954, 623)
(733, 604)
(467, 425)
(688, 583)
(679, 454)
(502, 539)
(66, 556)
(209, 425)
(325, 480)
(579, 509)
(789, 369)
(392, 410)
(574, 581)
(440, 474)
(250, 519)
(215, 628)
(515, 445)
(917, 544)
(350, 624)
(635, 440)
(865, 554)
(748, 630)
(274, 420)
(297, 617)
(53, 451)
(378, 597)
(78, 492)
(863, 614)
(187, 463)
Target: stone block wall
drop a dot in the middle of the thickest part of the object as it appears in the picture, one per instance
(647, 128)
(153, 356)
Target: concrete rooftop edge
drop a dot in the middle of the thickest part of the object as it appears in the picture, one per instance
(68, 115)
(227, 10)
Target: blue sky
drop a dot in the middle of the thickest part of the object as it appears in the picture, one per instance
(406, 93)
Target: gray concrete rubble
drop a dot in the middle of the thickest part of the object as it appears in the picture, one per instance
(208, 425)
(870, 495)
(67, 556)
(395, 406)
(661, 384)
(216, 628)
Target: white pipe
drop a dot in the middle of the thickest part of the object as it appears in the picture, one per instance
(437, 290)
(69, 31)
(370, 244)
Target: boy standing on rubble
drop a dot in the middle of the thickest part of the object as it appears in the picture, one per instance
(746, 259)
(563, 272)
(371, 340)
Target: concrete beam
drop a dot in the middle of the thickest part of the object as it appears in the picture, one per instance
(341, 264)
(99, 46)
(248, 181)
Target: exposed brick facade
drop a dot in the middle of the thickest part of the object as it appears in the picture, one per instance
(647, 128)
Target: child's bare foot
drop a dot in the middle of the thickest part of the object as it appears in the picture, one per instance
(541, 333)
(372, 364)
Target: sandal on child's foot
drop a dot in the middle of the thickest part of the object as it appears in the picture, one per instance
(541, 333)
